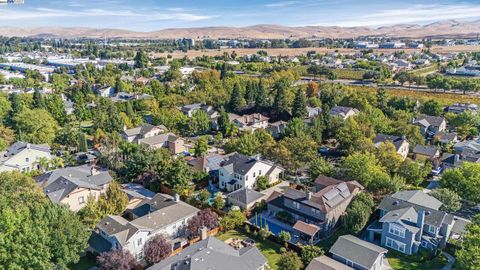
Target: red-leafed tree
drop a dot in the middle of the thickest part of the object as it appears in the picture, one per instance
(116, 260)
(205, 218)
(157, 249)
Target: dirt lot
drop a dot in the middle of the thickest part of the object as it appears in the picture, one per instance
(300, 51)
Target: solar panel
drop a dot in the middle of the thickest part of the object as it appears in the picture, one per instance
(331, 194)
(342, 187)
(334, 201)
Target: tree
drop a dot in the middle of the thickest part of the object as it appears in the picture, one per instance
(116, 260)
(431, 107)
(82, 142)
(141, 59)
(115, 200)
(262, 183)
(218, 201)
(261, 99)
(205, 218)
(365, 168)
(35, 126)
(319, 166)
(465, 181)
(299, 107)
(199, 123)
(353, 136)
(201, 146)
(284, 236)
(236, 99)
(290, 261)
(309, 252)
(468, 255)
(388, 157)
(157, 249)
(450, 199)
(280, 103)
(38, 100)
(312, 89)
(36, 233)
(358, 212)
(232, 220)
(295, 128)
(223, 121)
(414, 172)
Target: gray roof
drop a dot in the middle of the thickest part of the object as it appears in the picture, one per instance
(137, 191)
(446, 136)
(245, 195)
(407, 217)
(396, 140)
(159, 139)
(356, 250)
(17, 147)
(428, 120)
(59, 183)
(342, 111)
(425, 150)
(418, 197)
(213, 254)
(241, 164)
(326, 263)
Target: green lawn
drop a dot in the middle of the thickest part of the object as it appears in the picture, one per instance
(270, 250)
(400, 261)
(85, 263)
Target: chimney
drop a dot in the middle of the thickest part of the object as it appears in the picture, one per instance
(203, 231)
(309, 195)
(177, 197)
(93, 171)
(457, 158)
(420, 222)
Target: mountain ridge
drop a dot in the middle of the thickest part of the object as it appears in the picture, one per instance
(440, 29)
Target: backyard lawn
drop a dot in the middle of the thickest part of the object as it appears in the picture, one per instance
(270, 250)
(400, 261)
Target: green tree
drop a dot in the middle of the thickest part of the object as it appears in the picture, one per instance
(295, 128)
(280, 102)
(414, 172)
(218, 202)
(450, 199)
(468, 256)
(38, 100)
(232, 220)
(35, 126)
(82, 142)
(299, 107)
(431, 107)
(236, 99)
(201, 146)
(284, 236)
(261, 98)
(199, 123)
(36, 233)
(388, 157)
(290, 261)
(319, 166)
(465, 181)
(365, 168)
(309, 252)
(262, 183)
(358, 212)
(141, 59)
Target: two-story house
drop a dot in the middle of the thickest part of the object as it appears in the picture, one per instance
(189, 110)
(401, 144)
(322, 209)
(430, 125)
(142, 132)
(343, 112)
(240, 171)
(410, 220)
(72, 186)
(249, 122)
(163, 214)
(24, 157)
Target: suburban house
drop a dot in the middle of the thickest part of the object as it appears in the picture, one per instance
(410, 220)
(430, 125)
(318, 212)
(358, 254)
(445, 138)
(343, 112)
(163, 214)
(189, 110)
(326, 263)
(136, 194)
(240, 171)
(249, 122)
(277, 129)
(162, 140)
(24, 157)
(425, 152)
(72, 186)
(142, 132)
(104, 91)
(245, 198)
(211, 253)
(313, 111)
(401, 144)
(467, 146)
(462, 107)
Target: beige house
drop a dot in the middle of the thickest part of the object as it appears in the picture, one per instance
(73, 186)
(24, 157)
(249, 122)
(142, 132)
(166, 140)
(401, 144)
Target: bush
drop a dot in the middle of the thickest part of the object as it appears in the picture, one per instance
(290, 261)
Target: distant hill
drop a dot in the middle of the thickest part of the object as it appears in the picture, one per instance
(442, 29)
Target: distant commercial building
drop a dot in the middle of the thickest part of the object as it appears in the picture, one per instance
(46, 71)
(392, 45)
(365, 45)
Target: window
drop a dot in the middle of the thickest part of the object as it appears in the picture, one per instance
(424, 244)
(81, 200)
(139, 242)
(296, 204)
(27, 159)
(396, 230)
(254, 174)
(395, 244)
(432, 229)
(349, 263)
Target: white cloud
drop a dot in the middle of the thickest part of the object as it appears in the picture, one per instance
(282, 4)
(414, 14)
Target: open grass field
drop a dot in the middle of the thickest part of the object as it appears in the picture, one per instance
(270, 250)
(349, 74)
(301, 51)
(399, 261)
(443, 98)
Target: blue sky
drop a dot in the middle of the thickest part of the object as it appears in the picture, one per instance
(150, 15)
